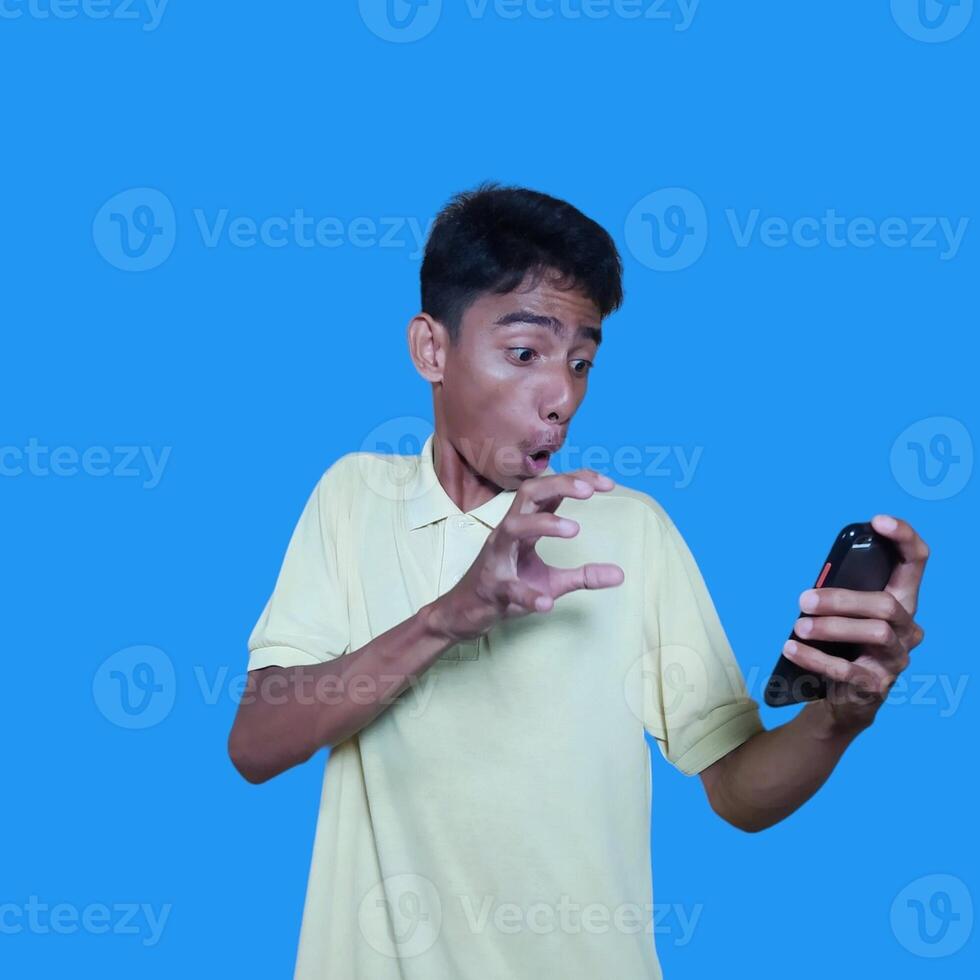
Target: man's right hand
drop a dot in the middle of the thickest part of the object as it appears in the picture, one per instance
(508, 578)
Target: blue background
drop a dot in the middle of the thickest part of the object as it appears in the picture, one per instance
(794, 369)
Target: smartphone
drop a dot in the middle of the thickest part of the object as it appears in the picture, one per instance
(860, 558)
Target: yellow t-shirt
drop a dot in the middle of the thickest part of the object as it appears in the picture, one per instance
(493, 822)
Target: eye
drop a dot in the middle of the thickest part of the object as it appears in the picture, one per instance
(526, 360)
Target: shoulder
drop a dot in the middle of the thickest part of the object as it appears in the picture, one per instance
(365, 477)
(630, 509)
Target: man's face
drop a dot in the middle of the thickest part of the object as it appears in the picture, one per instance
(516, 377)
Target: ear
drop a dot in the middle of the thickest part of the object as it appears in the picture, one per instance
(428, 342)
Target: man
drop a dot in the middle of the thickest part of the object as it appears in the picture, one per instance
(484, 667)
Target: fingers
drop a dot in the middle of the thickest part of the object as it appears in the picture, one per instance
(865, 678)
(874, 633)
(913, 554)
(532, 516)
(539, 498)
(858, 604)
(595, 575)
(547, 492)
(875, 619)
(591, 576)
(910, 546)
(524, 527)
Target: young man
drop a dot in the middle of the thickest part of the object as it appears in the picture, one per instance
(482, 642)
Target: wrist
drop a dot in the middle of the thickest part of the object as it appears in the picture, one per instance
(829, 725)
(436, 619)
(452, 620)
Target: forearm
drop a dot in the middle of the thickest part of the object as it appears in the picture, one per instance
(776, 771)
(287, 714)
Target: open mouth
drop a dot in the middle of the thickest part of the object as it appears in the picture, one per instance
(537, 462)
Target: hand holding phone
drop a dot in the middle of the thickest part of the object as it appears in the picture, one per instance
(861, 559)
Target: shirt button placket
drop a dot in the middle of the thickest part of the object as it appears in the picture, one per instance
(463, 544)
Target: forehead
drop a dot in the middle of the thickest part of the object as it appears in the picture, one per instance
(571, 306)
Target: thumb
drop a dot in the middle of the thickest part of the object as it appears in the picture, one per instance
(528, 598)
(595, 575)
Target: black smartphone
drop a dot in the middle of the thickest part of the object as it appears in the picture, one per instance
(860, 558)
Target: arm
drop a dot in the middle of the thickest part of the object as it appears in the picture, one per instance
(775, 772)
(282, 719)
(288, 713)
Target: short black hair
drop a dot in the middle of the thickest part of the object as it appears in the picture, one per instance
(491, 238)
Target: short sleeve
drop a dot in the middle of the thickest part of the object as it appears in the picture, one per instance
(305, 620)
(695, 701)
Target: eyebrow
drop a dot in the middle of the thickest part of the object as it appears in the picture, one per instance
(551, 322)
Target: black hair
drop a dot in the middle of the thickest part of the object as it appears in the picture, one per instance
(491, 238)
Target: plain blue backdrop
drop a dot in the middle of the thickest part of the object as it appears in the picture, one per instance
(793, 188)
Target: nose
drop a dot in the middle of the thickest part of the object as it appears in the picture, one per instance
(558, 400)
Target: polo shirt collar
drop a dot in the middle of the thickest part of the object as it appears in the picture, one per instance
(426, 500)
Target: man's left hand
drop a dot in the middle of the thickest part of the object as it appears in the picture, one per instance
(881, 623)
